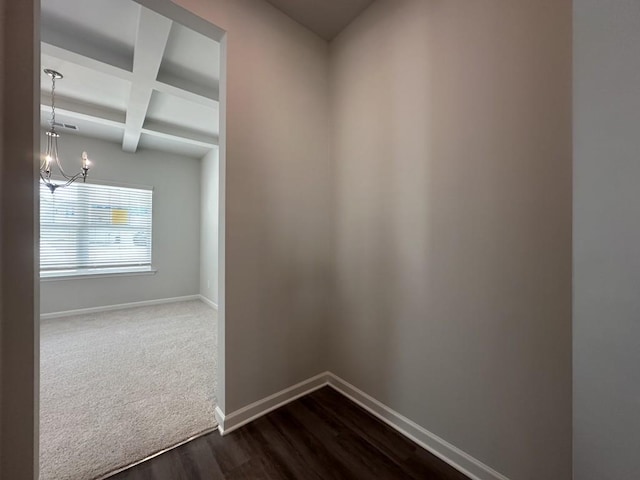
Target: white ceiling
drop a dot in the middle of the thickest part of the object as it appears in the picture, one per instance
(327, 18)
(131, 76)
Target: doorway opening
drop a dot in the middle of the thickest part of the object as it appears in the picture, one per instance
(130, 277)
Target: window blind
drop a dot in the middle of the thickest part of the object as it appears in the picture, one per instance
(85, 226)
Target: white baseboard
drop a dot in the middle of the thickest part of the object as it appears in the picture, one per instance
(209, 302)
(461, 461)
(235, 420)
(450, 454)
(121, 306)
(219, 414)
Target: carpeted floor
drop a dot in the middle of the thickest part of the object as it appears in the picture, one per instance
(118, 386)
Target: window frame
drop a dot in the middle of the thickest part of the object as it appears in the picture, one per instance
(101, 272)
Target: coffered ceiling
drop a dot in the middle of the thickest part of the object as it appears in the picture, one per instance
(327, 18)
(131, 76)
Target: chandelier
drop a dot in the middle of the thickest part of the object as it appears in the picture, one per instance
(50, 158)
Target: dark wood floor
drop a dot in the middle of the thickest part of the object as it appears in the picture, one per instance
(323, 436)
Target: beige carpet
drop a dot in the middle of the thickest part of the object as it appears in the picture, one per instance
(118, 386)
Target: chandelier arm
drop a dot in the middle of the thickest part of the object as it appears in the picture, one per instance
(73, 179)
(62, 172)
(59, 163)
(47, 181)
(48, 158)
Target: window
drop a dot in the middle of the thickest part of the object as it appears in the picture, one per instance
(94, 229)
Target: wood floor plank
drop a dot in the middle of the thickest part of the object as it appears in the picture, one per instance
(228, 452)
(200, 462)
(320, 436)
(353, 418)
(315, 443)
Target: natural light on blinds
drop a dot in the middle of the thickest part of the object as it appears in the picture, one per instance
(89, 228)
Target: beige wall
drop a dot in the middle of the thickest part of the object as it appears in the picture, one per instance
(277, 222)
(451, 146)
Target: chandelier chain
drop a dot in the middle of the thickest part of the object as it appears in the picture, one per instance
(53, 103)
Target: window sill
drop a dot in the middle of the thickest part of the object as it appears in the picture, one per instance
(96, 273)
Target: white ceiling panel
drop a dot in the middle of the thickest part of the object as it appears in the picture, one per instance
(149, 142)
(192, 56)
(177, 111)
(111, 21)
(85, 84)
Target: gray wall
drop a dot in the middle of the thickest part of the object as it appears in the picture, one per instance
(606, 239)
(176, 227)
(209, 181)
(277, 224)
(451, 146)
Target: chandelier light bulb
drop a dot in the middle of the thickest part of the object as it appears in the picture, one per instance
(86, 163)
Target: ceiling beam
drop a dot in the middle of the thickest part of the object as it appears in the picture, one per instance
(83, 111)
(178, 89)
(170, 85)
(171, 132)
(114, 118)
(151, 40)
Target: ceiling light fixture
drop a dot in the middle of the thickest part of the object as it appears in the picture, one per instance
(50, 157)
